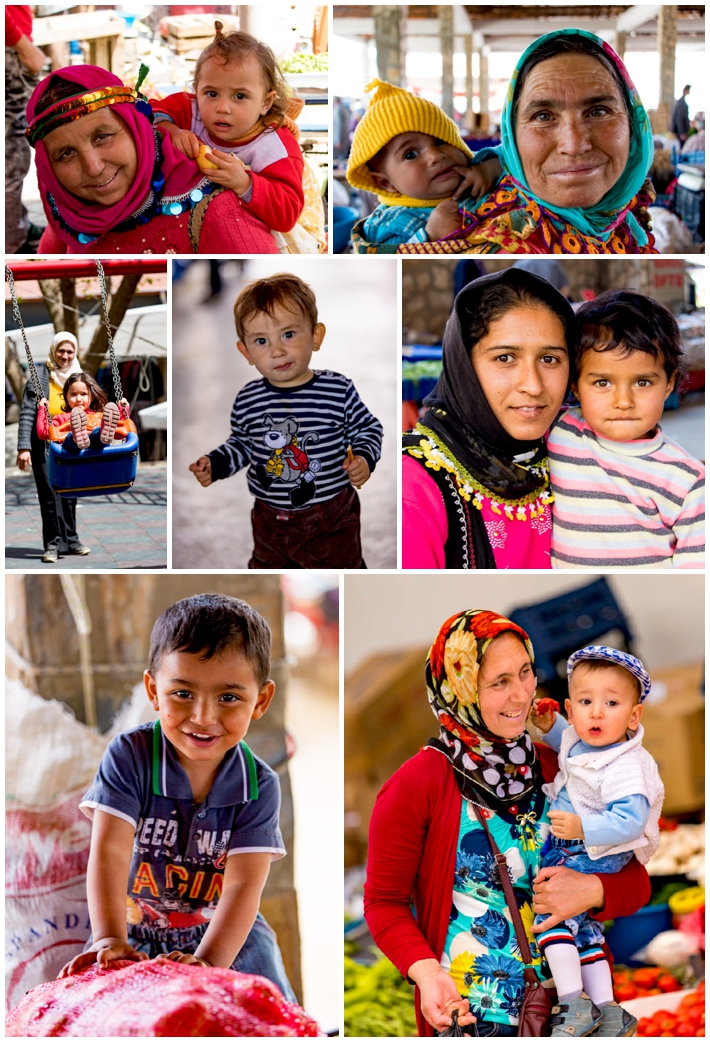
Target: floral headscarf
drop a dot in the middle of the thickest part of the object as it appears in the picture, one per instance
(501, 772)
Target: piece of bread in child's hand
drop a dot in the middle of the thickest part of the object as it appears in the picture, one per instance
(203, 162)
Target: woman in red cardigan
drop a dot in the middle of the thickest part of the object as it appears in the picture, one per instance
(459, 947)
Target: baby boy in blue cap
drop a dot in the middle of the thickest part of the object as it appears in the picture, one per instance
(605, 803)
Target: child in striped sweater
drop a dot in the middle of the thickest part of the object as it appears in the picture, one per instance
(625, 494)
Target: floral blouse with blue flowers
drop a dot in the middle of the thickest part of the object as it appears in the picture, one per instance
(481, 951)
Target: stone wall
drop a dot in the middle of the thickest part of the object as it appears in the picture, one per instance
(427, 285)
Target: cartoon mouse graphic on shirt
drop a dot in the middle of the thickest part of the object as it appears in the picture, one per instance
(289, 461)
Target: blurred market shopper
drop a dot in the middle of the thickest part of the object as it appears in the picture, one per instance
(475, 478)
(626, 495)
(479, 781)
(680, 118)
(23, 62)
(576, 150)
(112, 183)
(240, 125)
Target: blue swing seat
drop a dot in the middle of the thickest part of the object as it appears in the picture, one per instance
(94, 471)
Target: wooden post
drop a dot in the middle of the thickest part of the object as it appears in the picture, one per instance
(468, 48)
(390, 27)
(483, 86)
(620, 44)
(666, 33)
(446, 38)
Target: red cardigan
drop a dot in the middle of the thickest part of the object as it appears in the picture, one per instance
(228, 227)
(414, 832)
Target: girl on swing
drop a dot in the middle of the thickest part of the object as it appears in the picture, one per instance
(91, 419)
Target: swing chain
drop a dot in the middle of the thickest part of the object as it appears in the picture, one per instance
(34, 375)
(118, 389)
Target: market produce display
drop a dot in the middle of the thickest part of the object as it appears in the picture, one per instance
(687, 1021)
(681, 851)
(158, 999)
(378, 1001)
(304, 63)
(637, 984)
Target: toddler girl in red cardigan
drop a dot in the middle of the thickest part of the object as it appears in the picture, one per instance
(90, 417)
(241, 107)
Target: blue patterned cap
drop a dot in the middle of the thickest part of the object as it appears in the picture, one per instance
(618, 658)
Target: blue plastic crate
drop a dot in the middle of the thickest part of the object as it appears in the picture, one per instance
(630, 933)
(93, 471)
(690, 207)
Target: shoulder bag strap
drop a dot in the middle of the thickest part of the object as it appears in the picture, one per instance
(508, 890)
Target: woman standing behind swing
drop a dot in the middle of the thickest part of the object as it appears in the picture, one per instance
(58, 514)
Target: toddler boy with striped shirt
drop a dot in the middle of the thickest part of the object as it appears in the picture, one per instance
(625, 494)
(605, 802)
(305, 435)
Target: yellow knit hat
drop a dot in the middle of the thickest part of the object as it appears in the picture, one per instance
(391, 111)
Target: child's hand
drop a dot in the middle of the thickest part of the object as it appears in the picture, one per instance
(444, 220)
(184, 140)
(42, 403)
(358, 470)
(543, 713)
(565, 825)
(478, 180)
(203, 470)
(185, 957)
(108, 949)
(230, 172)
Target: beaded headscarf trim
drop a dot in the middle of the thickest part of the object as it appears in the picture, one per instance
(77, 107)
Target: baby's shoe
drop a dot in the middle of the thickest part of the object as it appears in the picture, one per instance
(616, 1022)
(78, 428)
(574, 1018)
(109, 422)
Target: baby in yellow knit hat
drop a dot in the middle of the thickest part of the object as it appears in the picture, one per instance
(410, 154)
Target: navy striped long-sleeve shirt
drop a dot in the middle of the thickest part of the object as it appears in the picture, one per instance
(292, 436)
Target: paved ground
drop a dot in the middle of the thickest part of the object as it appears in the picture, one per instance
(358, 304)
(128, 530)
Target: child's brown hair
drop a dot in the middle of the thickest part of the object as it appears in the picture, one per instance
(283, 290)
(98, 397)
(235, 47)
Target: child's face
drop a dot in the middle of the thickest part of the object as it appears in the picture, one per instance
(420, 166)
(602, 704)
(231, 99)
(78, 396)
(206, 705)
(622, 398)
(280, 346)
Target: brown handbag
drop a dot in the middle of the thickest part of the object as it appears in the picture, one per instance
(538, 1000)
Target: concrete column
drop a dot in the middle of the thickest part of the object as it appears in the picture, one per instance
(666, 50)
(468, 49)
(390, 27)
(483, 87)
(620, 44)
(446, 36)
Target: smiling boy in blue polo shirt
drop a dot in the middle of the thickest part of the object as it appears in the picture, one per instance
(185, 817)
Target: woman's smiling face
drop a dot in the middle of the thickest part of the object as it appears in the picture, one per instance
(572, 130)
(522, 366)
(94, 157)
(506, 686)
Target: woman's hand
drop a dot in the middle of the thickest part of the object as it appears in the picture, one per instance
(185, 957)
(563, 893)
(202, 470)
(477, 181)
(108, 949)
(24, 459)
(230, 172)
(31, 57)
(439, 997)
(443, 220)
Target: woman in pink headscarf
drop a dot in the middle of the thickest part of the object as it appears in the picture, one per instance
(112, 183)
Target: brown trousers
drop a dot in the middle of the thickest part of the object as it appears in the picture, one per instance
(325, 535)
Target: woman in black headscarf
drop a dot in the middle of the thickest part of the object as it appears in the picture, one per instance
(475, 479)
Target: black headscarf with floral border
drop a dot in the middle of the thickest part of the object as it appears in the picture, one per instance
(503, 773)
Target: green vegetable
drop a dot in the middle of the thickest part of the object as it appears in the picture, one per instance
(304, 63)
(378, 1001)
(418, 370)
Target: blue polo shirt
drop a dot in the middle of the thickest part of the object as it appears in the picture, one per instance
(180, 848)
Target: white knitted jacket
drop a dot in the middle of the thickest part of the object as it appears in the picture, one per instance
(595, 779)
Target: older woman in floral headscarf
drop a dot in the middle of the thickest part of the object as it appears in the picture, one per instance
(426, 843)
